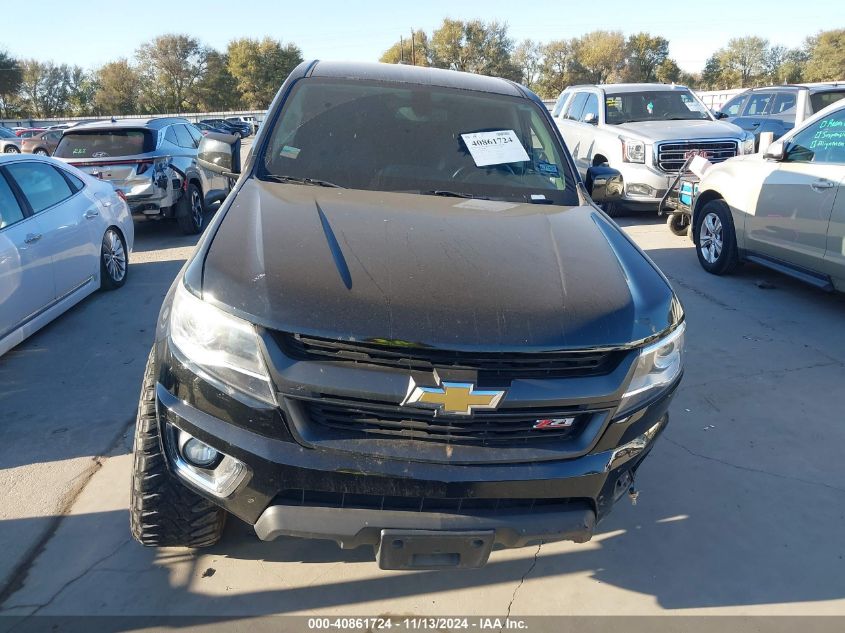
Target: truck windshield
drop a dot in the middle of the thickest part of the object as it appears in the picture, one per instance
(653, 105)
(383, 136)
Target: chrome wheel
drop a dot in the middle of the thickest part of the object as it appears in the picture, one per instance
(196, 208)
(114, 256)
(41, 152)
(11, 149)
(711, 238)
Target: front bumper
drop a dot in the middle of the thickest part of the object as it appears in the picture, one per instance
(637, 175)
(293, 490)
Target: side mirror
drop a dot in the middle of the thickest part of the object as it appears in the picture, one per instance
(590, 118)
(720, 115)
(220, 153)
(775, 151)
(604, 183)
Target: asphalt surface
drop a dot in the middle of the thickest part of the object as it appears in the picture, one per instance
(741, 510)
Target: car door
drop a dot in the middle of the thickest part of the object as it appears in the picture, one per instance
(754, 112)
(795, 203)
(26, 268)
(65, 214)
(781, 117)
(568, 122)
(834, 257)
(585, 132)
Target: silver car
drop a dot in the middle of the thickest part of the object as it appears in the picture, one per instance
(152, 161)
(63, 235)
(784, 208)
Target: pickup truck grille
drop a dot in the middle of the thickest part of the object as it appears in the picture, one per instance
(671, 155)
(554, 364)
(354, 419)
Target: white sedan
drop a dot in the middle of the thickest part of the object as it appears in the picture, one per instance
(63, 235)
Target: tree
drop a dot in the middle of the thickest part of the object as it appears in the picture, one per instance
(218, 89)
(401, 51)
(526, 57)
(599, 56)
(11, 76)
(171, 66)
(826, 56)
(117, 88)
(45, 88)
(667, 72)
(260, 67)
(474, 47)
(712, 77)
(646, 53)
(744, 59)
(81, 90)
(557, 59)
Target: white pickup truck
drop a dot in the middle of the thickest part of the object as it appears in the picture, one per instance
(647, 132)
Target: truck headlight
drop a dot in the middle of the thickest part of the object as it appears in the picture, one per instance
(658, 366)
(748, 143)
(218, 346)
(633, 151)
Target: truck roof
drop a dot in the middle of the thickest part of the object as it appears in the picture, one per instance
(415, 75)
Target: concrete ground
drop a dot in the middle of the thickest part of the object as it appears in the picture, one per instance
(741, 511)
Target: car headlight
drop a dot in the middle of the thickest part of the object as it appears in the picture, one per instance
(658, 366)
(218, 346)
(633, 151)
(747, 143)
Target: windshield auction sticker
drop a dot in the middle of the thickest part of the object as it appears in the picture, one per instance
(495, 148)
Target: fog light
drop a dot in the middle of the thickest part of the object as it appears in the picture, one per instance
(199, 453)
(640, 189)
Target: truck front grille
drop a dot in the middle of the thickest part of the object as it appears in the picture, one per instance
(354, 419)
(511, 365)
(671, 155)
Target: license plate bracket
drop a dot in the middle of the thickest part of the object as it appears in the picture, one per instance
(434, 549)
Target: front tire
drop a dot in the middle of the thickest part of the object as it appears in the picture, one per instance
(715, 238)
(190, 211)
(163, 512)
(114, 260)
(41, 152)
(11, 149)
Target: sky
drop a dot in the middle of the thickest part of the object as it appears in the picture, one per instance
(361, 30)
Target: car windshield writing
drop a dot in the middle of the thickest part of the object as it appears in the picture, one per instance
(397, 137)
(653, 105)
(105, 143)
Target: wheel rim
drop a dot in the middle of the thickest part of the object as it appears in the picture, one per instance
(196, 208)
(41, 152)
(711, 238)
(114, 255)
(11, 150)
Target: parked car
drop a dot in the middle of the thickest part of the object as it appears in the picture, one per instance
(28, 132)
(10, 143)
(784, 209)
(43, 143)
(204, 128)
(63, 235)
(222, 124)
(646, 131)
(153, 161)
(245, 120)
(429, 351)
(777, 109)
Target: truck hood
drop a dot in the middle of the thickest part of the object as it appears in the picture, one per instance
(678, 130)
(444, 272)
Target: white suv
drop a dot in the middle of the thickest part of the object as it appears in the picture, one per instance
(646, 131)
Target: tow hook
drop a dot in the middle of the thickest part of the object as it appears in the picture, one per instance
(633, 494)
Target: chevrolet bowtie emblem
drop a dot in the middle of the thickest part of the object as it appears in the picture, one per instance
(454, 398)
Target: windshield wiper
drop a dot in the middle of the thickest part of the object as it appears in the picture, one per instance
(452, 194)
(301, 181)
